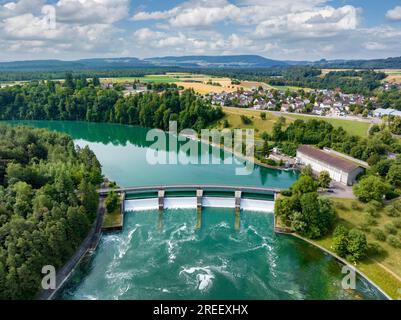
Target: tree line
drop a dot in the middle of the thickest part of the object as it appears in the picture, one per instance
(48, 201)
(80, 99)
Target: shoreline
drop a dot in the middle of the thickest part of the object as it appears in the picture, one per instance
(344, 262)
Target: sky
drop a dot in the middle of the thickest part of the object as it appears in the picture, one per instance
(277, 29)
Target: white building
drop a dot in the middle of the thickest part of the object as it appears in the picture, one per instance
(341, 169)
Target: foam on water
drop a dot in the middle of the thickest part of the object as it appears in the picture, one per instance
(190, 203)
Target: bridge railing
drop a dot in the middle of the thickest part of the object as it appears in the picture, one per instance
(105, 191)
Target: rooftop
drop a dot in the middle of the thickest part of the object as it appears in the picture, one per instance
(330, 159)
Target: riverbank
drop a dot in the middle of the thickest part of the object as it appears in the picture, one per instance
(88, 246)
(382, 269)
(387, 294)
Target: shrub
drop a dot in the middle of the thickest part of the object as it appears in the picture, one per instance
(379, 234)
(263, 115)
(372, 211)
(370, 221)
(340, 241)
(394, 241)
(286, 193)
(392, 211)
(397, 223)
(375, 249)
(246, 120)
(112, 201)
(389, 228)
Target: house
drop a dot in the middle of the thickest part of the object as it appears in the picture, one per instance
(340, 168)
(386, 112)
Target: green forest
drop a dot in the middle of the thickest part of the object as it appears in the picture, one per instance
(79, 99)
(48, 202)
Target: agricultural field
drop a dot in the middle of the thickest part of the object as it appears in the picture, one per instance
(393, 75)
(148, 78)
(202, 84)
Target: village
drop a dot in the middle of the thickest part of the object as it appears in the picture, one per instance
(329, 103)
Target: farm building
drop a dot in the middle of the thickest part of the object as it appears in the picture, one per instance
(342, 169)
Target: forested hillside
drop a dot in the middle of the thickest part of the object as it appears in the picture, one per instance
(48, 202)
(79, 99)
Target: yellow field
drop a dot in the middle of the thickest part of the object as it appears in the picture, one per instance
(393, 75)
(199, 83)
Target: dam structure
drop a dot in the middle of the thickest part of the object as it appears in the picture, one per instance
(196, 197)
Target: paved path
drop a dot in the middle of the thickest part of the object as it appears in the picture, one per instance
(89, 243)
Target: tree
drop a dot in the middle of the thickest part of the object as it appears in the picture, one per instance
(304, 184)
(357, 245)
(340, 241)
(371, 188)
(307, 171)
(315, 218)
(112, 201)
(324, 179)
(263, 115)
(394, 175)
(265, 148)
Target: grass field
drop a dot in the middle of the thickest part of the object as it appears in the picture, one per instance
(357, 128)
(113, 219)
(149, 78)
(384, 270)
(290, 88)
(233, 116)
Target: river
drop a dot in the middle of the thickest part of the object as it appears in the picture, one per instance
(164, 257)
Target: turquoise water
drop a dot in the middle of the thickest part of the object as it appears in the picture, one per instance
(217, 262)
(122, 152)
(177, 262)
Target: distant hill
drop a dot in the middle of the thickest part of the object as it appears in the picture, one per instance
(57, 65)
(239, 61)
(188, 62)
(389, 63)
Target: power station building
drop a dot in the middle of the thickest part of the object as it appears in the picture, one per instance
(341, 168)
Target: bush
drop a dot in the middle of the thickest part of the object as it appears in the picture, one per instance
(286, 193)
(375, 249)
(271, 162)
(263, 115)
(397, 223)
(379, 234)
(246, 120)
(370, 221)
(372, 211)
(394, 241)
(392, 211)
(389, 228)
(112, 202)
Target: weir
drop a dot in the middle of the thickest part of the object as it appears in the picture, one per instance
(197, 197)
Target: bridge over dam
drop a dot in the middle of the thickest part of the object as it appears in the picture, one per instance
(141, 198)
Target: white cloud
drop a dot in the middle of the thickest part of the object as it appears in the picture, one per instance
(91, 11)
(394, 14)
(81, 26)
(316, 23)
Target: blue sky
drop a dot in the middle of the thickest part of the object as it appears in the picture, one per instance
(278, 29)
